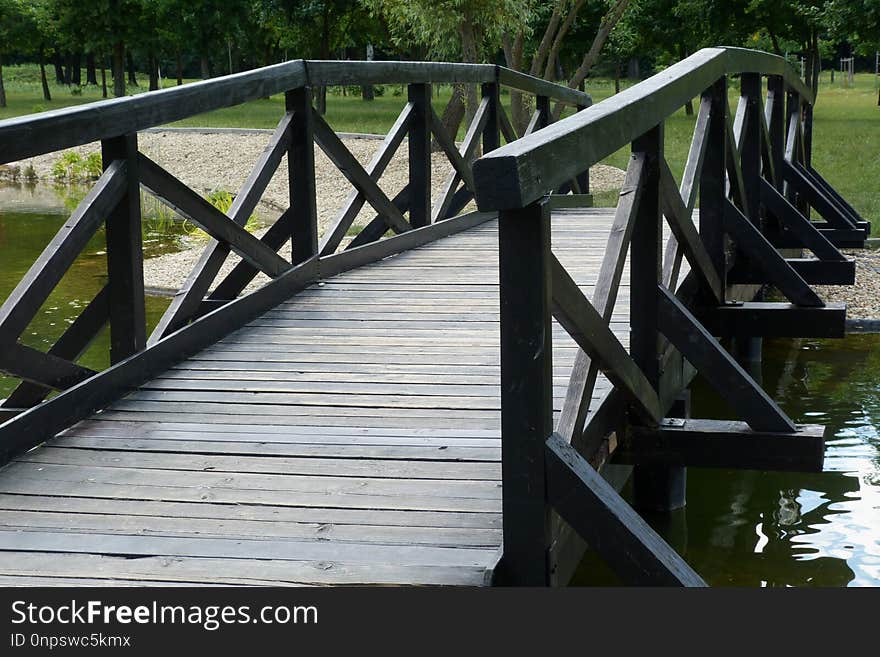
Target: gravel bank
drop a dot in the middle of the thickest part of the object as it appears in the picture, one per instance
(210, 160)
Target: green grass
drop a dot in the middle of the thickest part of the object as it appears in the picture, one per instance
(846, 134)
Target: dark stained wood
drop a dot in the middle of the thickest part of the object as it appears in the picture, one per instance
(798, 224)
(712, 191)
(526, 379)
(764, 257)
(609, 525)
(725, 444)
(461, 167)
(813, 271)
(70, 346)
(419, 141)
(46, 370)
(719, 368)
(584, 371)
(589, 329)
(443, 205)
(830, 210)
(355, 201)
(125, 258)
(301, 175)
(774, 320)
(185, 304)
(25, 300)
(686, 234)
(198, 210)
(333, 147)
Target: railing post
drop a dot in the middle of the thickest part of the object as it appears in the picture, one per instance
(125, 255)
(526, 390)
(750, 147)
(776, 124)
(542, 105)
(712, 180)
(492, 131)
(420, 155)
(793, 109)
(583, 179)
(659, 488)
(301, 175)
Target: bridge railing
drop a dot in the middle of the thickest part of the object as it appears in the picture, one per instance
(114, 202)
(750, 170)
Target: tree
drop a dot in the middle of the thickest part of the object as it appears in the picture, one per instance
(856, 21)
(467, 30)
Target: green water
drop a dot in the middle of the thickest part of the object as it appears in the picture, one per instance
(747, 528)
(29, 218)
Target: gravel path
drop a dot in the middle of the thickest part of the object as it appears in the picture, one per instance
(208, 161)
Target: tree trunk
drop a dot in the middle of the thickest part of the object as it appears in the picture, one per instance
(43, 81)
(179, 62)
(119, 69)
(469, 56)
(689, 105)
(2, 88)
(609, 20)
(553, 55)
(367, 92)
(153, 64)
(59, 69)
(321, 92)
(103, 78)
(132, 78)
(76, 76)
(617, 77)
(68, 68)
(91, 76)
(206, 66)
(513, 55)
(775, 41)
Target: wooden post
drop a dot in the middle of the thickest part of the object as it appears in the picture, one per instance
(657, 487)
(712, 181)
(793, 109)
(542, 105)
(526, 390)
(301, 175)
(776, 124)
(663, 488)
(583, 179)
(125, 256)
(492, 131)
(420, 155)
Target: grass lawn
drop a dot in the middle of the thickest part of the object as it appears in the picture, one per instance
(846, 134)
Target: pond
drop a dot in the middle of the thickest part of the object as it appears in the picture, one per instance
(747, 528)
(30, 215)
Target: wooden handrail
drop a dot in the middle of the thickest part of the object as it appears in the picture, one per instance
(523, 171)
(35, 134)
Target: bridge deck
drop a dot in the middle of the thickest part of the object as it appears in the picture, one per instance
(350, 435)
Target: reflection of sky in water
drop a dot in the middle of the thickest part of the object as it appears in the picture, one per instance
(749, 528)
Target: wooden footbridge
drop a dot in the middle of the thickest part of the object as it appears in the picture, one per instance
(445, 399)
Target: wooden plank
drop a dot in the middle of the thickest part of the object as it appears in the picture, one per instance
(798, 224)
(763, 256)
(451, 150)
(719, 368)
(301, 175)
(198, 210)
(774, 320)
(830, 210)
(584, 371)
(336, 151)
(73, 342)
(526, 380)
(725, 444)
(355, 201)
(442, 205)
(608, 524)
(46, 370)
(679, 220)
(125, 258)
(419, 142)
(587, 327)
(41, 278)
(813, 271)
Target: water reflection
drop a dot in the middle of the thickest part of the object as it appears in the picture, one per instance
(746, 528)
